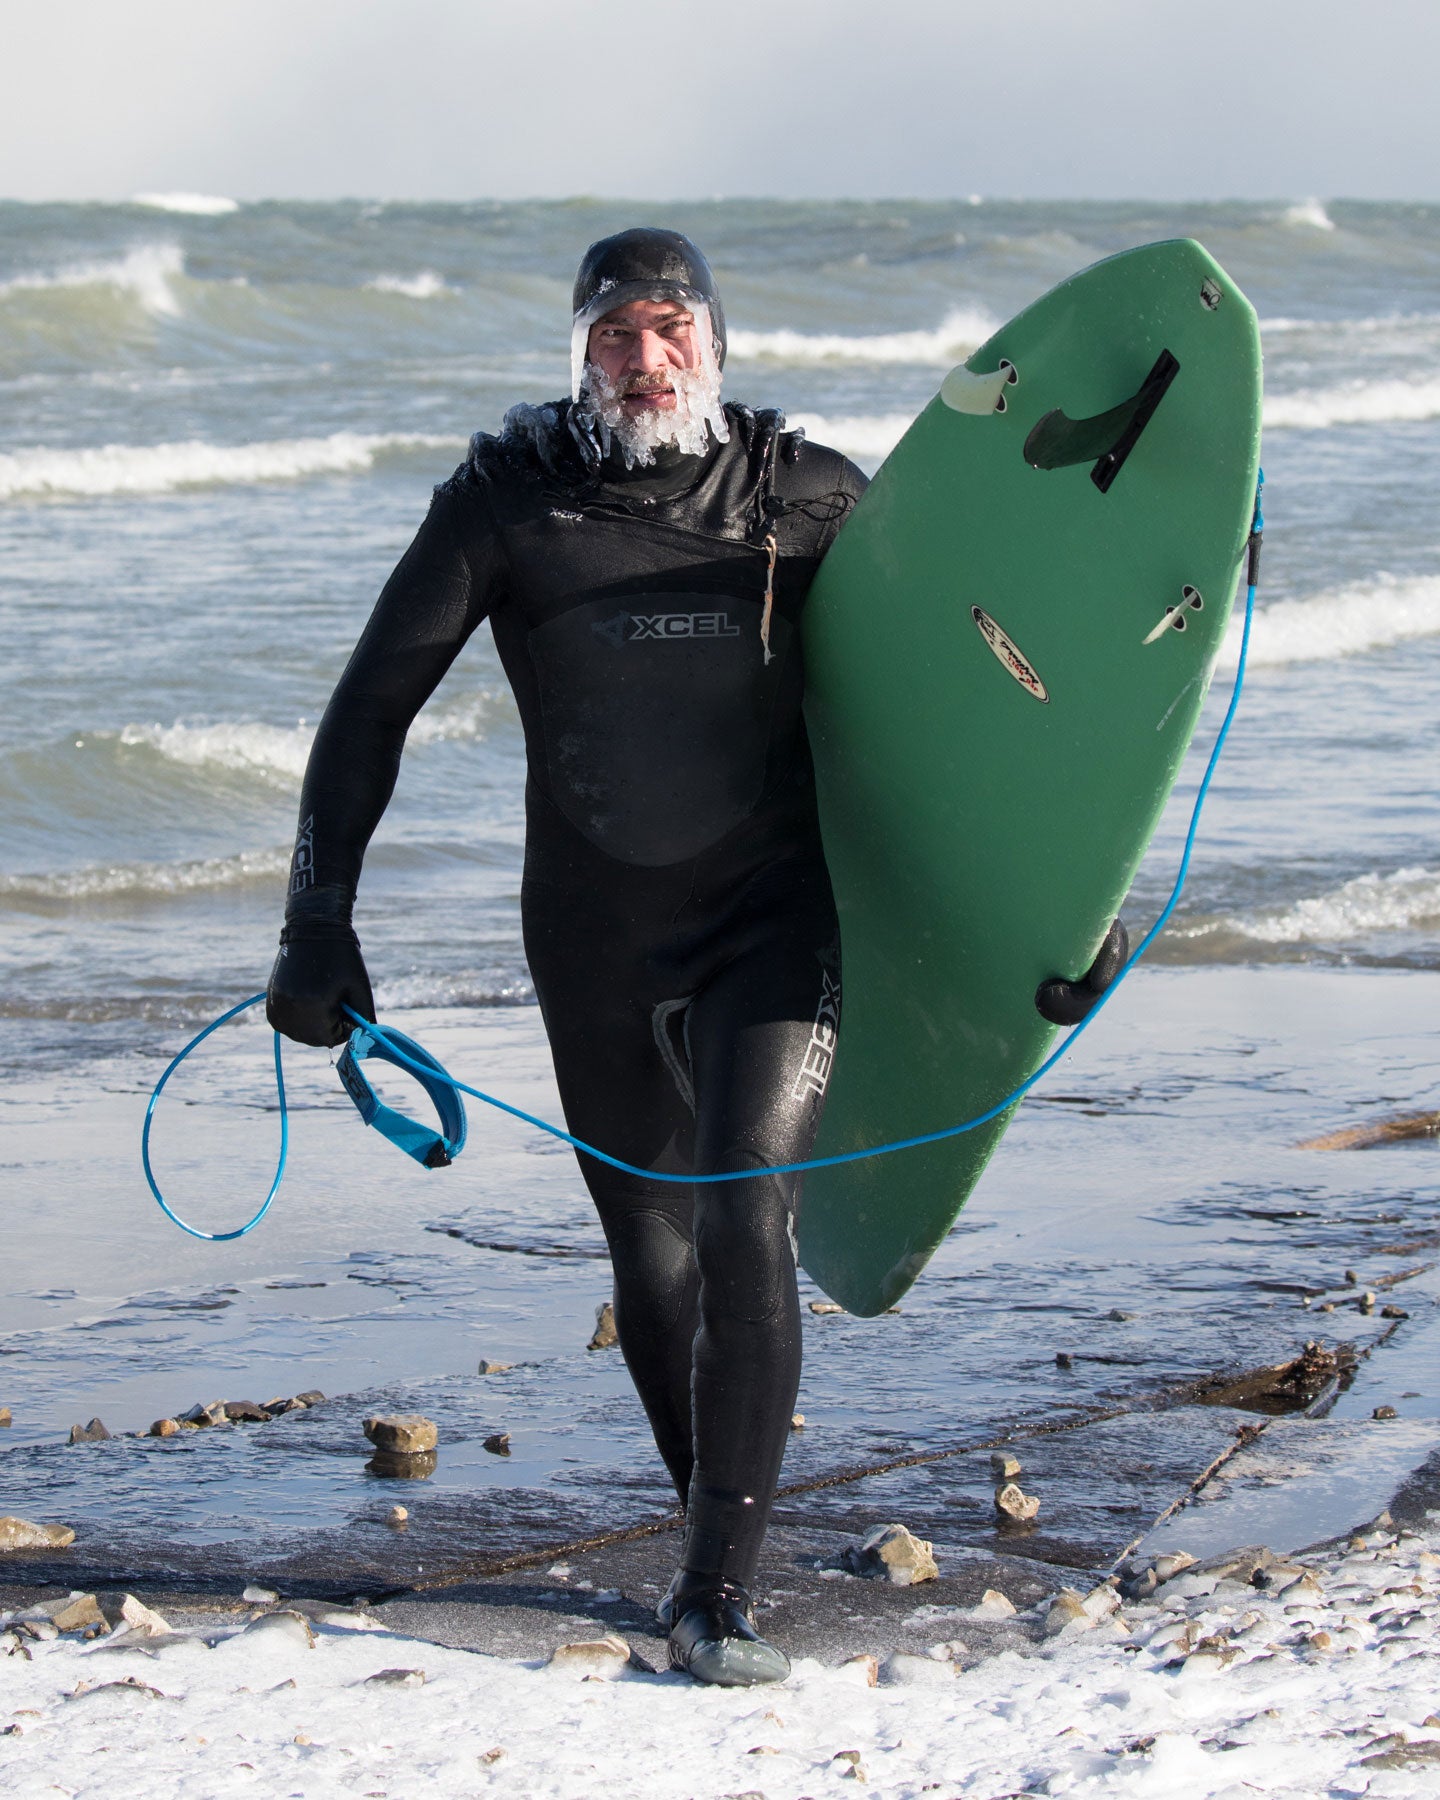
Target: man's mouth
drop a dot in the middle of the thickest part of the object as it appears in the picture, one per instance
(647, 398)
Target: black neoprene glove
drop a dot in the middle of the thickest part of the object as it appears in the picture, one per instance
(319, 970)
(1068, 1002)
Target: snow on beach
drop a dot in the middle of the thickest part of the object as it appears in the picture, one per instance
(1320, 1682)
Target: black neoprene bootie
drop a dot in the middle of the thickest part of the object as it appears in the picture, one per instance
(713, 1636)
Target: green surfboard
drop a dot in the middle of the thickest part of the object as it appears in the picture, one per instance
(1006, 653)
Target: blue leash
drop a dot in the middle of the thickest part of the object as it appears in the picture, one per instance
(218, 1237)
(374, 1040)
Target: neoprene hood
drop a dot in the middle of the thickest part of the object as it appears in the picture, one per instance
(647, 264)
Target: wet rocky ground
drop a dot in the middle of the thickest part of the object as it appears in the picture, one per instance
(1126, 1299)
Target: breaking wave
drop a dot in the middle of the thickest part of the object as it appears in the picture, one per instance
(1402, 901)
(205, 206)
(146, 273)
(275, 752)
(118, 880)
(1345, 622)
(161, 468)
(278, 753)
(1353, 403)
(1307, 215)
(427, 285)
(866, 436)
(959, 334)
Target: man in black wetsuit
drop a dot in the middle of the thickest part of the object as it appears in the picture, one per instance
(643, 554)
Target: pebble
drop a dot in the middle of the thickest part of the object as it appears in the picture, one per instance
(1003, 1466)
(398, 1516)
(904, 1669)
(1366, 1302)
(494, 1368)
(606, 1336)
(604, 1657)
(245, 1412)
(205, 1413)
(1117, 1316)
(1064, 1360)
(409, 1678)
(866, 1666)
(1066, 1611)
(74, 1613)
(1014, 1507)
(993, 1605)
(894, 1554)
(1384, 1412)
(310, 1397)
(255, 1595)
(4, 1416)
(20, 1534)
(1393, 1312)
(165, 1428)
(293, 1627)
(498, 1443)
(825, 1309)
(402, 1434)
(125, 1610)
(797, 1421)
(93, 1433)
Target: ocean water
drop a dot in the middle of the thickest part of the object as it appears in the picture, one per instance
(220, 426)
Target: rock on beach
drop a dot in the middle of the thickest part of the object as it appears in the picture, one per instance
(604, 1657)
(892, 1553)
(20, 1534)
(402, 1434)
(606, 1336)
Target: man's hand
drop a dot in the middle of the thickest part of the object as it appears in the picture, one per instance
(319, 970)
(1068, 1002)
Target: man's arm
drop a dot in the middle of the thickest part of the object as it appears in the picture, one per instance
(440, 591)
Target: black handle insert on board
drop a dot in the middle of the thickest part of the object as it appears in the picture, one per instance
(1106, 439)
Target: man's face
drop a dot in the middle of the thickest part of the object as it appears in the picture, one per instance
(639, 347)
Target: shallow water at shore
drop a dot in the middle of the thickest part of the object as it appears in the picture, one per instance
(1150, 1216)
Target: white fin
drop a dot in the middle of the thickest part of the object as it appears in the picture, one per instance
(964, 391)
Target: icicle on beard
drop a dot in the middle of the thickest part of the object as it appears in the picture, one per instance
(688, 425)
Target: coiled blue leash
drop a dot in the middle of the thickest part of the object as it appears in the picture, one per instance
(217, 1237)
(375, 1040)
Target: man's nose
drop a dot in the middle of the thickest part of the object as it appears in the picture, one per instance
(649, 352)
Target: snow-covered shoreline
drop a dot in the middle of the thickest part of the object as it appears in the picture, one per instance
(1317, 1684)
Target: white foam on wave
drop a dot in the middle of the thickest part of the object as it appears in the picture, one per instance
(869, 436)
(1368, 324)
(1348, 621)
(205, 206)
(427, 285)
(1307, 215)
(1407, 900)
(277, 754)
(146, 273)
(1353, 403)
(953, 340)
(122, 880)
(161, 468)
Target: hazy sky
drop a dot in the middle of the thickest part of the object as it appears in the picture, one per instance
(676, 99)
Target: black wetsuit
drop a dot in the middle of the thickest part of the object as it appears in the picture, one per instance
(677, 912)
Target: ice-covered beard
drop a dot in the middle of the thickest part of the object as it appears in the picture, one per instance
(688, 425)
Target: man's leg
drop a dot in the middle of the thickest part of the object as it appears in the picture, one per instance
(751, 1033)
(620, 1093)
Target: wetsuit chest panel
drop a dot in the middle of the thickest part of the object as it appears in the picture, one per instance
(657, 717)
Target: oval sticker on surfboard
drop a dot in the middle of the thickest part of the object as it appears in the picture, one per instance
(1009, 656)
